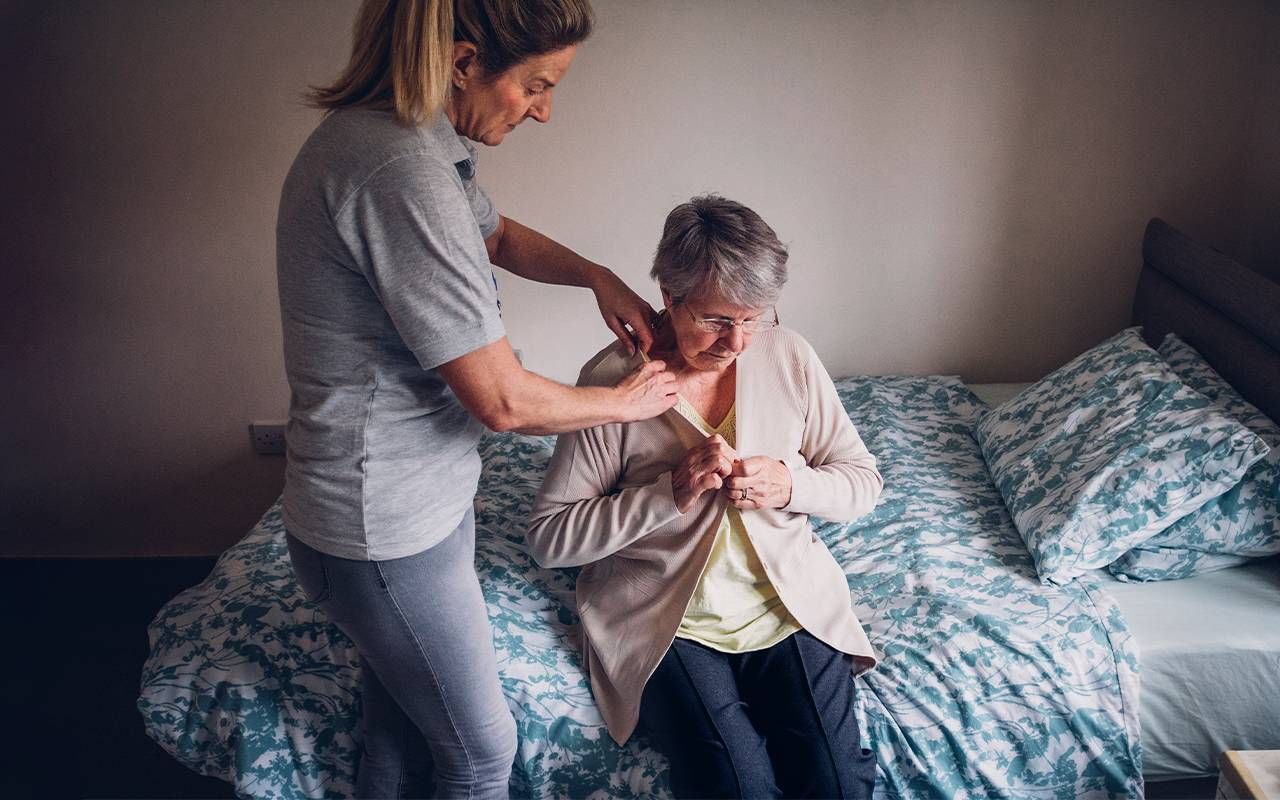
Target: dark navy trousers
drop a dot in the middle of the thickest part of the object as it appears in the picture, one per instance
(778, 722)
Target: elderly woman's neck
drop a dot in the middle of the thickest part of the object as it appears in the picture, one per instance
(664, 340)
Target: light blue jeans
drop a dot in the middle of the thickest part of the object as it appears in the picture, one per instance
(433, 708)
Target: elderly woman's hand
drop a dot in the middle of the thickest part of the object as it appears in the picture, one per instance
(703, 469)
(759, 482)
(621, 307)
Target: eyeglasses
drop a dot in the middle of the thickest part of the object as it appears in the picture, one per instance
(722, 324)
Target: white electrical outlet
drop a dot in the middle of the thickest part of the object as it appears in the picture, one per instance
(267, 438)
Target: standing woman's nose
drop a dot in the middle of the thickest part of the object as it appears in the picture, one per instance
(541, 108)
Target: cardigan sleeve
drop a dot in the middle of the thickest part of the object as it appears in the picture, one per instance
(839, 481)
(579, 515)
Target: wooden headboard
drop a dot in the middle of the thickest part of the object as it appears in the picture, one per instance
(1228, 312)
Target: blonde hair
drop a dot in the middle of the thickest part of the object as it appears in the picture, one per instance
(402, 50)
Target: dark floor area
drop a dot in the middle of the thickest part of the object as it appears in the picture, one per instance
(77, 636)
(1190, 789)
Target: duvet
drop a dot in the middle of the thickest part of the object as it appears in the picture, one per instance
(991, 684)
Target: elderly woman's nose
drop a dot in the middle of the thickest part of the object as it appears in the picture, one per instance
(735, 338)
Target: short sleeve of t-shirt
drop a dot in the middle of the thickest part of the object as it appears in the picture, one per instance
(416, 231)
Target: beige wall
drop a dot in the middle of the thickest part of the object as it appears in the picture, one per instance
(1257, 240)
(963, 186)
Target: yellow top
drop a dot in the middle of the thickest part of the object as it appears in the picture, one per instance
(735, 608)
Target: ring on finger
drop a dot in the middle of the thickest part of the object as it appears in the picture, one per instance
(746, 493)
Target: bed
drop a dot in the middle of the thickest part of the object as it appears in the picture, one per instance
(993, 682)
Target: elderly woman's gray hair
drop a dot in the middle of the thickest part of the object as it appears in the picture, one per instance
(716, 244)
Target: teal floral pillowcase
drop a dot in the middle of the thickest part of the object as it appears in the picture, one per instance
(1106, 452)
(1241, 524)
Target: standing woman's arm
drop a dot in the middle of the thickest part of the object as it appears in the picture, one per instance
(529, 254)
(493, 386)
(407, 229)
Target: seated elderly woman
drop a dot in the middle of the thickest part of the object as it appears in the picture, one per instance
(712, 617)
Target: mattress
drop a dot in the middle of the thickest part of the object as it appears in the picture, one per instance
(1209, 656)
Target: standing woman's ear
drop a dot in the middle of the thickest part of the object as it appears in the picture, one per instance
(466, 67)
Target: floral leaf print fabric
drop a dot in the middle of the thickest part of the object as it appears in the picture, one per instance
(1242, 523)
(1106, 452)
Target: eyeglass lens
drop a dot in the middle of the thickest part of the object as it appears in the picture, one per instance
(748, 326)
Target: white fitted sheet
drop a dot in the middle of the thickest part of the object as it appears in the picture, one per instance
(1209, 655)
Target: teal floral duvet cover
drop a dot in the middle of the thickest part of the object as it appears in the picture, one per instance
(991, 684)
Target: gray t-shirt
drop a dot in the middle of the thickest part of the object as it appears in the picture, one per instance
(383, 277)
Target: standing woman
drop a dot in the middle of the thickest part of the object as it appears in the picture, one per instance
(397, 360)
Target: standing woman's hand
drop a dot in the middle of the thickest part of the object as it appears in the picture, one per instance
(646, 391)
(621, 307)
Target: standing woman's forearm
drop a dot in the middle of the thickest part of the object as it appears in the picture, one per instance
(523, 251)
(495, 389)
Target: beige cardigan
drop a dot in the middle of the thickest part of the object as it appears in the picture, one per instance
(606, 503)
